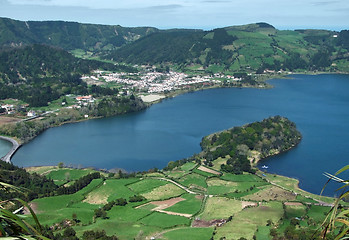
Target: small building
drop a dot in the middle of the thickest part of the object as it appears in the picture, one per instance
(31, 113)
(84, 98)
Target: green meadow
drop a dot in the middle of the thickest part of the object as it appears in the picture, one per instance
(189, 209)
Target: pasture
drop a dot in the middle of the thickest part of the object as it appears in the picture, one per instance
(247, 201)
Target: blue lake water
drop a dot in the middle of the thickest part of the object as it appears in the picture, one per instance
(5, 147)
(173, 130)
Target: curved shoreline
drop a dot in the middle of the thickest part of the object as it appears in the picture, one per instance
(15, 146)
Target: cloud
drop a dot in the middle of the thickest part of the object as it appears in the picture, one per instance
(325, 3)
(216, 1)
(166, 7)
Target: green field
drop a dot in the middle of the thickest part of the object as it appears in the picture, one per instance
(163, 192)
(67, 174)
(247, 202)
(146, 185)
(245, 223)
(189, 234)
(220, 207)
(193, 179)
(164, 220)
(191, 205)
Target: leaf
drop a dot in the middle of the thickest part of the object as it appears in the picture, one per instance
(342, 170)
(31, 212)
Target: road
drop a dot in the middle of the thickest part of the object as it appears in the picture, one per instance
(15, 146)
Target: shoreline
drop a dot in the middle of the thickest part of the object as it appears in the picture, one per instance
(15, 146)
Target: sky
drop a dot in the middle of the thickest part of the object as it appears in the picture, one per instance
(201, 14)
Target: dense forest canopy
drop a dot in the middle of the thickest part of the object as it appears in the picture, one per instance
(245, 145)
(38, 74)
(68, 35)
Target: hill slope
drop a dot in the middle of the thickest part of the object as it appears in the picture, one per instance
(251, 48)
(68, 35)
(38, 74)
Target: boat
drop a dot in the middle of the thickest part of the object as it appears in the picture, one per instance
(265, 167)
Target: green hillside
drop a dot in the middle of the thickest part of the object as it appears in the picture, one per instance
(250, 48)
(68, 35)
(38, 74)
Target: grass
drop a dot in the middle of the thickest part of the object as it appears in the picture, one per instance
(190, 234)
(205, 174)
(146, 185)
(128, 222)
(191, 205)
(305, 199)
(111, 190)
(246, 177)
(164, 192)
(127, 213)
(188, 166)
(271, 193)
(263, 233)
(123, 230)
(54, 209)
(68, 174)
(154, 174)
(318, 213)
(217, 186)
(295, 211)
(163, 220)
(218, 162)
(193, 179)
(245, 223)
(40, 170)
(220, 207)
(176, 174)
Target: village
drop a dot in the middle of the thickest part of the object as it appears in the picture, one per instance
(156, 82)
(25, 113)
(143, 83)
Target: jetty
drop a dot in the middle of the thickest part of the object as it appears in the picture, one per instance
(15, 146)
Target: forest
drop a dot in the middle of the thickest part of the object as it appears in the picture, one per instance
(272, 135)
(68, 35)
(38, 74)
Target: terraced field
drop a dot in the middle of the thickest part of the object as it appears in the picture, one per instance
(202, 205)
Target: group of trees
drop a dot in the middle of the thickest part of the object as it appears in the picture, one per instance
(116, 105)
(78, 184)
(274, 134)
(36, 185)
(69, 35)
(38, 74)
(70, 234)
(182, 46)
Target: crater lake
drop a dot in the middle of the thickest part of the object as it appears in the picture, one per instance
(172, 130)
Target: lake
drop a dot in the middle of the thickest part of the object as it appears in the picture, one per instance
(173, 129)
(5, 147)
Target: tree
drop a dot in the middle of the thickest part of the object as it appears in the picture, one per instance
(100, 213)
(60, 165)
